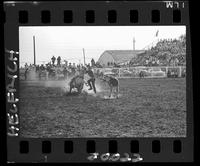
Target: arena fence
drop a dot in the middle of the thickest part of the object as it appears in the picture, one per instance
(125, 72)
(143, 71)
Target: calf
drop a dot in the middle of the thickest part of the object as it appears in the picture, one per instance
(77, 82)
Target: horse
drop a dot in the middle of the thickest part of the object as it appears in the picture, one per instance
(112, 83)
(77, 82)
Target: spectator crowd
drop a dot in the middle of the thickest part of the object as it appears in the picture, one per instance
(166, 52)
(66, 68)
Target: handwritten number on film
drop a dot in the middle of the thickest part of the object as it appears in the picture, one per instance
(13, 118)
(115, 157)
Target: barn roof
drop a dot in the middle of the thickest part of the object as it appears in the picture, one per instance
(121, 56)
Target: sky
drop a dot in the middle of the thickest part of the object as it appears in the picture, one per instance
(69, 41)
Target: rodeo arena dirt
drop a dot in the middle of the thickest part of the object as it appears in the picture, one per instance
(144, 96)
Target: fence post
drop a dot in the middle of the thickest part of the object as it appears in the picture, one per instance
(166, 71)
(57, 74)
(47, 75)
(180, 71)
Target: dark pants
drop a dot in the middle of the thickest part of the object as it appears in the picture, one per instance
(92, 86)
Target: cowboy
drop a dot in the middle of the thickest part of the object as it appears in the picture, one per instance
(91, 80)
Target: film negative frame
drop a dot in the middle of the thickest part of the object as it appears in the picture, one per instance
(108, 149)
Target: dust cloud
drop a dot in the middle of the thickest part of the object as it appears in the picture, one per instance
(65, 87)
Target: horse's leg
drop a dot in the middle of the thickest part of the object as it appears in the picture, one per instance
(117, 91)
(70, 90)
(80, 89)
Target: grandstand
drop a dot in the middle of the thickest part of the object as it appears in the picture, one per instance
(164, 53)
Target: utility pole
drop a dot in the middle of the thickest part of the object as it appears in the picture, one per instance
(133, 43)
(34, 50)
(84, 55)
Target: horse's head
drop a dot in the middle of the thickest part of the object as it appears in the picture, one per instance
(105, 78)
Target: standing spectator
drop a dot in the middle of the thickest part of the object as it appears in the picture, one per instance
(26, 73)
(66, 63)
(70, 65)
(39, 71)
(26, 65)
(74, 65)
(53, 60)
(176, 61)
(58, 61)
(65, 72)
(42, 67)
(70, 68)
(92, 62)
(37, 68)
(73, 70)
(88, 65)
(158, 62)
